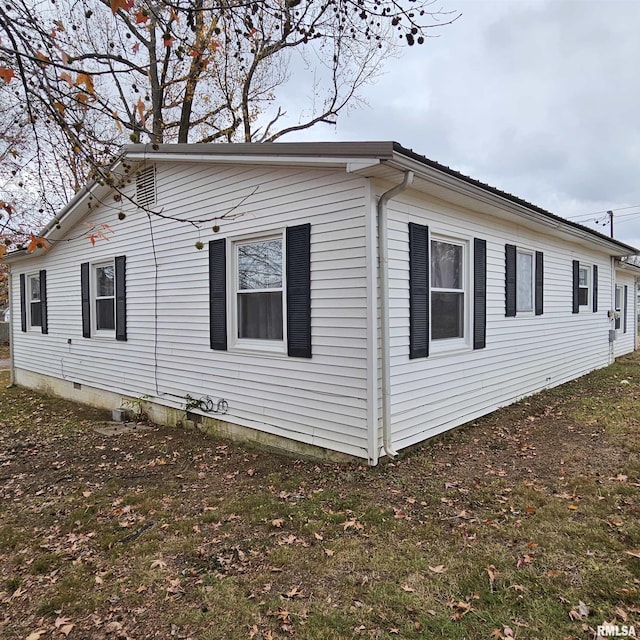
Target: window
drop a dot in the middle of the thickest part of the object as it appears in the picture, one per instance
(448, 275)
(583, 286)
(251, 283)
(259, 289)
(618, 307)
(35, 303)
(447, 306)
(104, 297)
(524, 280)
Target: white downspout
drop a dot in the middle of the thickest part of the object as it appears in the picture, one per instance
(612, 322)
(12, 378)
(383, 269)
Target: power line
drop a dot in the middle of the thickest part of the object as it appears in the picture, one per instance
(628, 215)
(596, 213)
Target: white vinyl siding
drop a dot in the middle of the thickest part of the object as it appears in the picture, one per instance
(625, 341)
(320, 401)
(523, 355)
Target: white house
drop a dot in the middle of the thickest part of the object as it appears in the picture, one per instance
(348, 298)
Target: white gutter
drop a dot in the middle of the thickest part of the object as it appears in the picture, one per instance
(383, 268)
(480, 193)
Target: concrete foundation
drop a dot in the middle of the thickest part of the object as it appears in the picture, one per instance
(175, 417)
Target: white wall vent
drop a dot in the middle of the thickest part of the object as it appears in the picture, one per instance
(146, 187)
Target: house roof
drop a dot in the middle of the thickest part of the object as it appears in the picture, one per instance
(381, 160)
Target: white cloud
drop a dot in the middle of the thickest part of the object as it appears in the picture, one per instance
(539, 98)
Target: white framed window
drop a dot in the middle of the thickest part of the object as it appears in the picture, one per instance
(258, 275)
(584, 285)
(34, 302)
(618, 307)
(449, 291)
(525, 273)
(103, 297)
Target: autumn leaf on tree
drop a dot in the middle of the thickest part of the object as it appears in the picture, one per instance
(7, 74)
(35, 242)
(81, 99)
(67, 78)
(3, 251)
(116, 119)
(141, 111)
(97, 233)
(116, 5)
(84, 79)
(141, 18)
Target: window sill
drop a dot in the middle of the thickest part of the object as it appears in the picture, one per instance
(448, 347)
(106, 336)
(260, 347)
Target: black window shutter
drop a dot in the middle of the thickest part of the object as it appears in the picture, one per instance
(595, 288)
(218, 294)
(418, 290)
(624, 309)
(299, 291)
(539, 283)
(44, 325)
(86, 300)
(510, 280)
(121, 297)
(23, 302)
(576, 286)
(479, 293)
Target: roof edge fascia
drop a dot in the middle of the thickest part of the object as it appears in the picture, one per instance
(352, 155)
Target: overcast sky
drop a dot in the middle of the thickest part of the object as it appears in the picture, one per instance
(540, 98)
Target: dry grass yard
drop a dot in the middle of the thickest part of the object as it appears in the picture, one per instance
(525, 524)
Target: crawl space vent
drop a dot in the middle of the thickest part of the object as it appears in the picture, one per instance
(146, 187)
